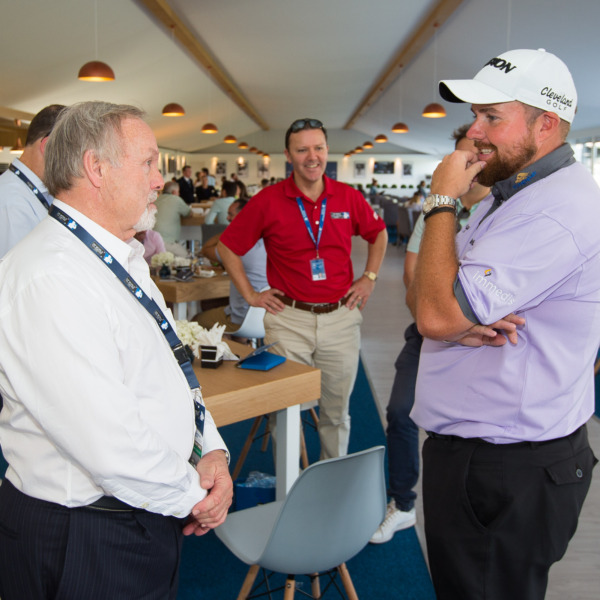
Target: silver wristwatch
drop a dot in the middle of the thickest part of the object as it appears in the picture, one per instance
(434, 201)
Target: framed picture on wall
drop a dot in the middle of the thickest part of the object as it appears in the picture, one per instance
(407, 169)
(381, 167)
(242, 169)
(221, 168)
(360, 169)
(263, 170)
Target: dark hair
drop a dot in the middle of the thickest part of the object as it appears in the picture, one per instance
(230, 188)
(460, 133)
(300, 125)
(185, 167)
(241, 202)
(42, 124)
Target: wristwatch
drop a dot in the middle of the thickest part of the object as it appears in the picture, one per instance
(370, 275)
(435, 202)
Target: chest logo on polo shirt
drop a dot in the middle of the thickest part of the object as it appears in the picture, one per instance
(487, 272)
(340, 215)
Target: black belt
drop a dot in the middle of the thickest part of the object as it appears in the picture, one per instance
(316, 308)
(110, 503)
(451, 438)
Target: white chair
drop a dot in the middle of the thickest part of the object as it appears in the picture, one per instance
(328, 517)
(252, 327)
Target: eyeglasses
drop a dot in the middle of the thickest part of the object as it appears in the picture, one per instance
(304, 124)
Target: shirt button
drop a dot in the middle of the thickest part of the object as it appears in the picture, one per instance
(579, 473)
(145, 505)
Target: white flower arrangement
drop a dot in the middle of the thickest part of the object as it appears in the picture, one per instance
(190, 333)
(162, 258)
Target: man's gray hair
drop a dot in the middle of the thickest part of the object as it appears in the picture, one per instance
(84, 126)
(170, 187)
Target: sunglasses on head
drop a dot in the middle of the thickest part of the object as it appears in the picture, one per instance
(305, 123)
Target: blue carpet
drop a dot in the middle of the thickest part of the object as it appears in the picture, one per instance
(393, 570)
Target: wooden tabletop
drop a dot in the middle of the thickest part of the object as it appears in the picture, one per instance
(233, 394)
(197, 288)
(192, 220)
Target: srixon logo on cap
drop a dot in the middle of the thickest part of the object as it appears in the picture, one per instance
(500, 63)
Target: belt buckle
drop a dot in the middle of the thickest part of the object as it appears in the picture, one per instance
(313, 306)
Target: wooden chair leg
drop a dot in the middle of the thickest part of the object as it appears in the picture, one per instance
(315, 586)
(248, 582)
(347, 582)
(240, 461)
(303, 452)
(266, 437)
(290, 588)
(313, 414)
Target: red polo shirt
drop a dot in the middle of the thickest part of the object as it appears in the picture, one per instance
(273, 214)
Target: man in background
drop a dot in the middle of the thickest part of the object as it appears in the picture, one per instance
(307, 223)
(103, 420)
(402, 433)
(510, 311)
(186, 185)
(169, 210)
(24, 198)
(218, 211)
(255, 267)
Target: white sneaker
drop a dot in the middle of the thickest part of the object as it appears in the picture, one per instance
(395, 520)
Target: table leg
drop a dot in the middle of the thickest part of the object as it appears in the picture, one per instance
(288, 449)
(180, 311)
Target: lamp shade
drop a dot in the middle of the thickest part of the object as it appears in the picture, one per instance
(209, 128)
(252, 149)
(358, 149)
(368, 145)
(96, 70)
(243, 146)
(400, 128)
(381, 139)
(230, 139)
(173, 110)
(434, 111)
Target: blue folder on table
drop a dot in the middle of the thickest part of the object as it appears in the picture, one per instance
(260, 359)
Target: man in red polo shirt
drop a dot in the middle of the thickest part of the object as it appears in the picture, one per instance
(307, 222)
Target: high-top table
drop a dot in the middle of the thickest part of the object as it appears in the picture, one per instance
(183, 293)
(232, 394)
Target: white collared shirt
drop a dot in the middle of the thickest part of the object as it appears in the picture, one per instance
(20, 209)
(94, 401)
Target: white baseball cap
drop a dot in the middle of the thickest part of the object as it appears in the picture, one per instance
(534, 77)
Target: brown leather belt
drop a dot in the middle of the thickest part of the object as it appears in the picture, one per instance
(315, 309)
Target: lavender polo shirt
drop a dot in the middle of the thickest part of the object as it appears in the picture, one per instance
(533, 248)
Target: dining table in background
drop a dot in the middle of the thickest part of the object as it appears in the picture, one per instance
(233, 394)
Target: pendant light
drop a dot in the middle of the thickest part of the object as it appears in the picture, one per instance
(243, 145)
(230, 139)
(381, 139)
(434, 110)
(367, 145)
(209, 128)
(173, 109)
(96, 70)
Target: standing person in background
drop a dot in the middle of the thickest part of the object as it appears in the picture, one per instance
(510, 311)
(307, 223)
(186, 185)
(108, 443)
(402, 433)
(24, 199)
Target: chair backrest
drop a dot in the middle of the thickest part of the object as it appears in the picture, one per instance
(329, 514)
(252, 327)
(210, 230)
(404, 222)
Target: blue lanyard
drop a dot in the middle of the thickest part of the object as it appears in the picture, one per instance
(307, 222)
(147, 302)
(38, 194)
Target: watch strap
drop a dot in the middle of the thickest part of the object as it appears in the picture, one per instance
(370, 275)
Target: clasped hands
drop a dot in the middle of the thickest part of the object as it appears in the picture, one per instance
(495, 334)
(209, 513)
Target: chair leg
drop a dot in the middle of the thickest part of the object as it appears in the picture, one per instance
(248, 582)
(303, 451)
(266, 437)
(290, 588)
(347, 582)
(240, 461)
(313, 414)
(315, 586)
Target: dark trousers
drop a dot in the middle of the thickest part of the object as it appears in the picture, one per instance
(498, 516)
(48, 551)
(402, 433)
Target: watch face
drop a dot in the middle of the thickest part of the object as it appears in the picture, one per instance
(428, 204)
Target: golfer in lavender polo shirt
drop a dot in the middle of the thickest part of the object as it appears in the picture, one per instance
(512, 326)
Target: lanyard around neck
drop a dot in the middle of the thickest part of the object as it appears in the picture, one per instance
(136, 291)
(316, 241)
(36, 192)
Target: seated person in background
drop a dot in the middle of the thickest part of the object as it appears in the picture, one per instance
(205, 191)
(242, 192)
(255, 265)
(153, 243)
(169, 210)
(218, 211)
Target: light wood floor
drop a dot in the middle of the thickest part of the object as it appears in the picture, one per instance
(577, 576)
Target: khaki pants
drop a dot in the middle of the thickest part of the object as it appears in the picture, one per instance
(330, 342)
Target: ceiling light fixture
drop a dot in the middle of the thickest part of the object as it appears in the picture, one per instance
(252, 149)
(368, 145)
(358, 149)
(230, 139)
(96, 70)
(243, 146)
(381, 139)
(434, 110)
(173, 110)
(209, 128)
(400, 127)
